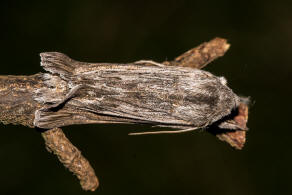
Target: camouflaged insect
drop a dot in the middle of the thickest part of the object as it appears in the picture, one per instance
(142, 92)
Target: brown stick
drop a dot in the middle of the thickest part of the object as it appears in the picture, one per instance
(57, 143)
(202, 55)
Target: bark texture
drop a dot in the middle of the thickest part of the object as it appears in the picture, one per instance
(57, 143)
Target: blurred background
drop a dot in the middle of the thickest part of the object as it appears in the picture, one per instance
(258, 65)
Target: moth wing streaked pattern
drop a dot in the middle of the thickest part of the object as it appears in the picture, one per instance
(134, 93)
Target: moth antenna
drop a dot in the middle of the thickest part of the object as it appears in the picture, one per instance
(164, 132)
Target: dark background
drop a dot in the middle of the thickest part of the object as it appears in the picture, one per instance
(258, 65)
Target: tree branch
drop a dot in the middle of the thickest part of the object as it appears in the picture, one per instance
(202, 55)
(57, 143)
(22, 100)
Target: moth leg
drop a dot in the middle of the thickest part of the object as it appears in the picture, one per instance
(55, 106)
(149, 62)
(236, 137)
(233, 125)
(57, 143)
(68, 96)
(202, 55)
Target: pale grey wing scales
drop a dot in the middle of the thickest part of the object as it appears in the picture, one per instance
(159, 95)
(98, 100)
(118, 92)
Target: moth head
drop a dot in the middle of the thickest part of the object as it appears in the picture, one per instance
(232, 128)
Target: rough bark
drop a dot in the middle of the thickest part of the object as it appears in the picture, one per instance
(57, 143)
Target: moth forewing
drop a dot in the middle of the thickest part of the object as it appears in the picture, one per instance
(135, 93)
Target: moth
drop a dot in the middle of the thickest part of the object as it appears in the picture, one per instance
(143, 92)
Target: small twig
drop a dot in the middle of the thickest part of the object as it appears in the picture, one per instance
(202, 55)
(57, 143)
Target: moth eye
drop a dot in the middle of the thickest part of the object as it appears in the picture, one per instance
(223, 80)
